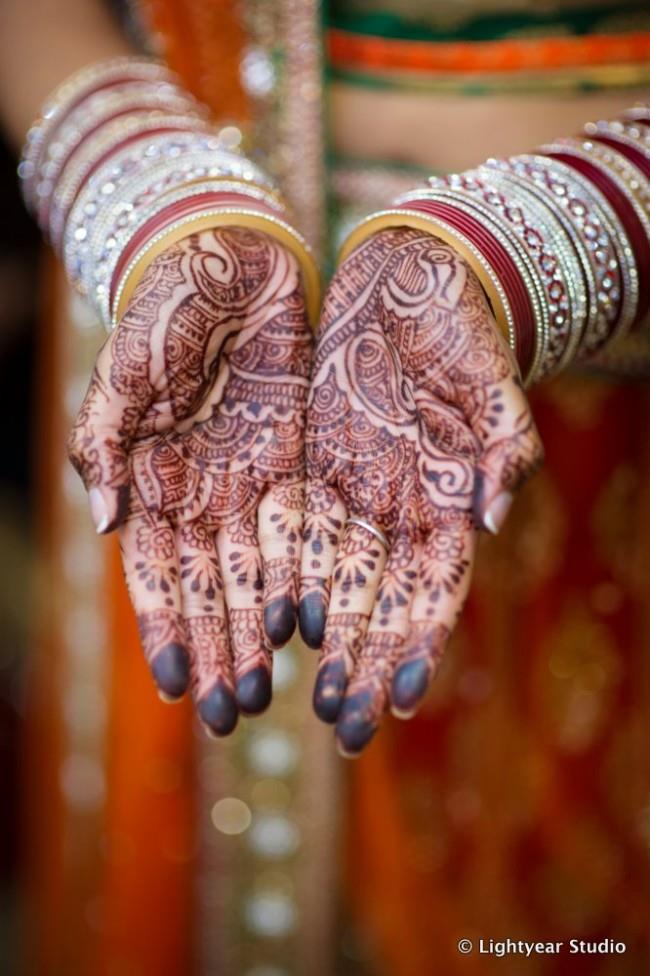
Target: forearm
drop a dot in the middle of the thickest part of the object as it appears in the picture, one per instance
(559, 238)
(54, 38)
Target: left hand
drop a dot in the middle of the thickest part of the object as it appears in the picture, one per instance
(417, 424)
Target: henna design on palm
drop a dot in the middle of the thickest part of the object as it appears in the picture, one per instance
(191, 441)
(416, 423)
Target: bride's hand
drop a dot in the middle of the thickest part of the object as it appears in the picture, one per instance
(417, 425)
(190, 440)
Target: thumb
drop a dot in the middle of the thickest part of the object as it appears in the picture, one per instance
(99, 442)
(506, 462)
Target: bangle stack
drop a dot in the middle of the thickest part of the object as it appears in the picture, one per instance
(123, 163)
(559, 239)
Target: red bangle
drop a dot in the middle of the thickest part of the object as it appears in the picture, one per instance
(625, 213)
(502, 265)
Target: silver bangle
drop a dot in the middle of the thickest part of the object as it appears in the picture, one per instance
(557, 265)
(71, 91)
(108, 209)
(95, 111)
(591, 234)
(98, 145)
(623, 252)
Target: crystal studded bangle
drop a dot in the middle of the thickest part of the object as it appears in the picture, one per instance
(118, 103)
(98, 148)
(627, 191)
(592, 230)
(559, 239)
(69, 94)
(123, 163)
(631, 139)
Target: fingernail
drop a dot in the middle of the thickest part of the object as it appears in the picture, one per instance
(344, 754)
(254, 691)
(98, 510)
(312, 614)
(409, 685)
(171, 670)
(208, 731)
(169, 699)
(402, 715)
(218, 711)
(329, 691)
(496, 514)
(280, 621)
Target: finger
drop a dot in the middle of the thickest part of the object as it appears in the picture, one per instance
(241, 568)
(280, 527)
(213, 682)
(443, 581)
(359, 564)
(119, 393)
(151, 569)
(368, 691)
(323, 529)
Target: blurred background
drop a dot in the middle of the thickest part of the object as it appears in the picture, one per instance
(20, 258)
(516, 805)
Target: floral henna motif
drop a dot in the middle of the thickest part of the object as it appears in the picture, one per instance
(194, 417)
(416, 422)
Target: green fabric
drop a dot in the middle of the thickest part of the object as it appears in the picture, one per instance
(440, 22)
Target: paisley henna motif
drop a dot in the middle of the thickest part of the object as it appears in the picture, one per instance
(416, 422)
(192, 431)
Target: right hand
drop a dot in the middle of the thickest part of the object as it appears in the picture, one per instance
(190, 443)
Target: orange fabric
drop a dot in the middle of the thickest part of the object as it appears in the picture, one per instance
(151, 817)
(364, 52)
(202, 41)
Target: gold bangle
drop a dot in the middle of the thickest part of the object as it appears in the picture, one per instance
(209, 220)
(431, 225)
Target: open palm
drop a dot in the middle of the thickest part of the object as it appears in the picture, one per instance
(190, 439)
(417, 426)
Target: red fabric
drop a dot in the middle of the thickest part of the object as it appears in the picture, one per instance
(514, 805)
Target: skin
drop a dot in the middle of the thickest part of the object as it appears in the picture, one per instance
(190, 442)
(134, 425)
(416, 423)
